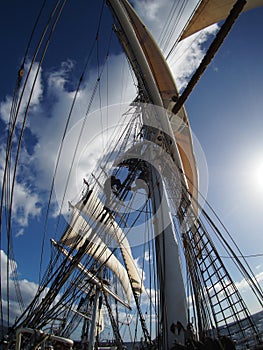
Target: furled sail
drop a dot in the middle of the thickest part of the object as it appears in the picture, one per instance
(93, 207)
(168, 92)
(78, 232)
(213, 11)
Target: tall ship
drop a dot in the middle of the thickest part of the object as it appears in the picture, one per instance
(132, 257)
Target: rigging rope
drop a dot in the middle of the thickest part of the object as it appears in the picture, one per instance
(175, 22)
(250, 278)
(60, 151)
(179, 36)
(7, 194)
(86, 65)
(57, 284)
(215, 45)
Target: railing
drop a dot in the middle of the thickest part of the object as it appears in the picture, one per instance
(42, 337)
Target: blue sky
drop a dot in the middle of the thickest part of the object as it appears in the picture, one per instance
(225, 111)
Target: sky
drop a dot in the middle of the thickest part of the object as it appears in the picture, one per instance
(225, 112)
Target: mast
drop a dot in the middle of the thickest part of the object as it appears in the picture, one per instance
(92, 335)
(172, 296)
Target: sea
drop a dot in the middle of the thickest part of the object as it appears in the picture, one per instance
(258, 319)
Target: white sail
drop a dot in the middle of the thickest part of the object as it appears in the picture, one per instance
(78, 232)
(213, 11)
(92, 278)
(93, 207)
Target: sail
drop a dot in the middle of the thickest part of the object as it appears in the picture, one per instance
(78, 232)
(93, 207)
(213, 11)
(168, 91)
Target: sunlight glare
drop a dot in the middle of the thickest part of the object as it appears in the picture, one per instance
(258, 176)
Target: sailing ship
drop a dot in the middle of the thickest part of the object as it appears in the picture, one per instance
(144, 186)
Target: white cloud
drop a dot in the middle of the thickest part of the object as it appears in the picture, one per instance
(139, 269)
(58, 79)
(5, 108)
(243, 285)
(31, 91)
(27, 288)
(26, 202)
(150, 10)
(83, 131)
(4, 266)
(248, 295)
(147, 256)
(20, 232)
(245, 290)
(46, 122)
(160, 14)
(188, 55)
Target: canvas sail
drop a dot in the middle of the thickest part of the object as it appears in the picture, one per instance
(78, 232)
(213, 11)
(93, 207)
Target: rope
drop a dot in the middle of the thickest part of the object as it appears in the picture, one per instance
(215, 45)
(6, 194)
